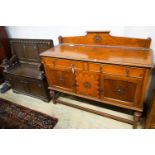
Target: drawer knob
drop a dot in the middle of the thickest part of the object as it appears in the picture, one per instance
(127, 71)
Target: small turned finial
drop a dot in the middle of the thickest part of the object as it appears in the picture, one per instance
(60, 39)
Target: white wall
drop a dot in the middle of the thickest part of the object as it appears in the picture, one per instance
(141, 32)
(52, 32)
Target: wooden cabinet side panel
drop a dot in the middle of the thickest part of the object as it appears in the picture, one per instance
(145, 87)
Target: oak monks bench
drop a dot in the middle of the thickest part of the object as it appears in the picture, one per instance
(24, 70)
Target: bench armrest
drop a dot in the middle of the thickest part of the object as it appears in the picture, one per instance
(10, 63)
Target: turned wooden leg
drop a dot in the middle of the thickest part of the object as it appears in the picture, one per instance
(53, 96)
(136, 119)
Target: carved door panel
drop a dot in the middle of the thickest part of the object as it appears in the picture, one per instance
(87, 83)
(26, 51)
(35, 87)
(124, 89)
(31, 52)
(44, 47)
(60, 78)
(19, 84)
(18, 50)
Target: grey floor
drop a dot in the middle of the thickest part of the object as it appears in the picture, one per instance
(70, 118)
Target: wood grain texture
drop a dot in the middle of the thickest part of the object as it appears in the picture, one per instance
(29, 49)
(87, 83)
(27, 75)
(100, 67)
(124, 89)
(61, 78)
(104, 38)
(139, 57)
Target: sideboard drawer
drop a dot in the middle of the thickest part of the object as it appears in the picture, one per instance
(63, 63)
(78, 65)
(136, 72)
(123, 71)
(47, 60)
(58, 63)
(115, 70)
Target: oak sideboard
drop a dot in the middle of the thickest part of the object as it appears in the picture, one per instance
(100, 67)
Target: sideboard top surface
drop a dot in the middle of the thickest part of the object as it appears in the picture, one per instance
(133, 56)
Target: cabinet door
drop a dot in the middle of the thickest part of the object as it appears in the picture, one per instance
(31, 52)
(60, 78)
(87, 83)
(19, 84)
(18, 50)
(123, 89)
(35, 88)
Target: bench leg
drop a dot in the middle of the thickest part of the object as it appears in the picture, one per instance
(53, 96)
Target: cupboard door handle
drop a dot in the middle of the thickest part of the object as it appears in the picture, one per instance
(61, 79)
(73, 69)
(119, 91)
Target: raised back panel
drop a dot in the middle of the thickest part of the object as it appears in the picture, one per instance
(29, 49)
(104, 38)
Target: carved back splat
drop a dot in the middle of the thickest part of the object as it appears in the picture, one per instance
(104, 38)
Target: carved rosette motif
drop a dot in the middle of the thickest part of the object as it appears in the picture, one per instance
(87, 84)
(97, 38)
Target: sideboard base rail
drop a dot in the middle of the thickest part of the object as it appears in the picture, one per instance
(134, 122)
